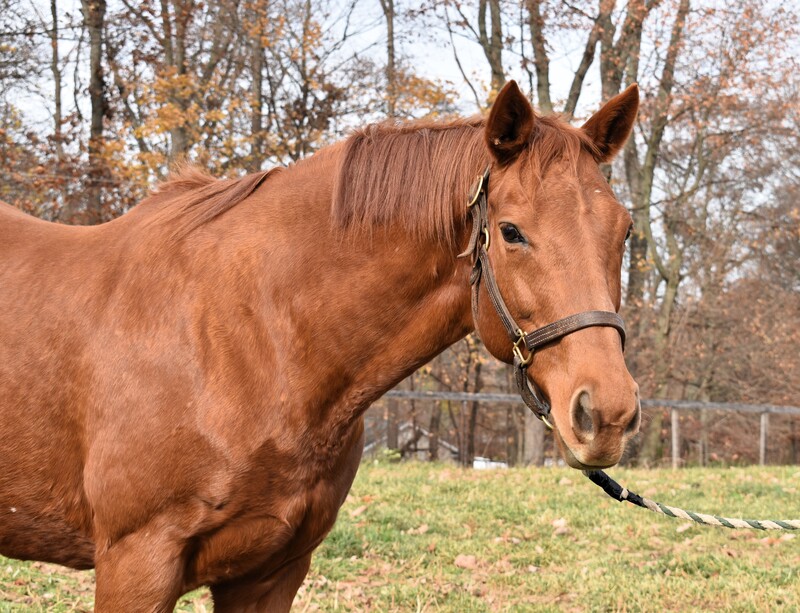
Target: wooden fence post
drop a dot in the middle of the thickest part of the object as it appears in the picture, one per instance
(762, 446)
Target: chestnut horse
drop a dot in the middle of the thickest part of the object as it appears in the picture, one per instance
(182, 389)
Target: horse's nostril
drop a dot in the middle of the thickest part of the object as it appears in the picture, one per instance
(582, 421)
(636, 418)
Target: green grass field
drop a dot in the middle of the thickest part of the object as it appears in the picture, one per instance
(417, 537)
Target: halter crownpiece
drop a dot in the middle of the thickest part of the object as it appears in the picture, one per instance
(481, 268)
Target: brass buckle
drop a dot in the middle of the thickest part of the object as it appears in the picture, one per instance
(486, 236)
(477, 193)
(523, 361)
(546, 422)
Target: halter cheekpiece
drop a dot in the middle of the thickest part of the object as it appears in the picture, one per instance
(478, 248)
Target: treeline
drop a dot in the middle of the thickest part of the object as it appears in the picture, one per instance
(96, 105)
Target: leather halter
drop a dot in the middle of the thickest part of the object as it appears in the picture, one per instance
(478, 248)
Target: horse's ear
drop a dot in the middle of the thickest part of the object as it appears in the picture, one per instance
(611, 126)
(510, 124)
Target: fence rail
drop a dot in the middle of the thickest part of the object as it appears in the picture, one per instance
(763, 410)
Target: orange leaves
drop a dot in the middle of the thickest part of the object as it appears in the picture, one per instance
(417, 96)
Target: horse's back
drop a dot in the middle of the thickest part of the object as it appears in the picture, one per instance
(41, 262)
(25, 239)
(6, 210)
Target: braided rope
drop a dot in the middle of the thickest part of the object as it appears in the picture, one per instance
(619, 493)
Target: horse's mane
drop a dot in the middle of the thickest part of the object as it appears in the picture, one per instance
(415, 174)
(195, 197)
(409, 174)
(419, 174)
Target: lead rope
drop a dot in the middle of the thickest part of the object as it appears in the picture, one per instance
(620, 494)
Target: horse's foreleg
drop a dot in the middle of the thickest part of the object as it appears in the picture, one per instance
(274, 594)
(141, 572)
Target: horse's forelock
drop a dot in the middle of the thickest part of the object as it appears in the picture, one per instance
(553, 139)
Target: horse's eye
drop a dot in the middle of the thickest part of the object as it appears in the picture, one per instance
(511, 234)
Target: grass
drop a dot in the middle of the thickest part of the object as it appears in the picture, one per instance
(419, 537)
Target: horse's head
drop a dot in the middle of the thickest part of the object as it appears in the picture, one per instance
(557, 238)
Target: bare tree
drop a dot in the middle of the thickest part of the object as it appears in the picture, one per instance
(391, 70)
(94, 12)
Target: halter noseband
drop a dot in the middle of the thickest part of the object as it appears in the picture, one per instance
(482, 268)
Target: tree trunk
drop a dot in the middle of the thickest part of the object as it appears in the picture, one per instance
(652, 445)
(433, 429)
(702, 444)
(534, 439)
(492, 42)
(392, 427)
(174, 38)
(56, 70)
(391, 75)
(640, 176)
(473, 417)
(541, 61)
(512, 437)
(469, 461)
(93, 17)
(256, 93)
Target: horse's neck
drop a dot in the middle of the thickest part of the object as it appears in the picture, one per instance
(356, 313)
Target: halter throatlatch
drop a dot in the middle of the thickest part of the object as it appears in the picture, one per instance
(478, 248)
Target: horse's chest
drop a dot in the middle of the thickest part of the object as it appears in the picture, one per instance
(280, 516)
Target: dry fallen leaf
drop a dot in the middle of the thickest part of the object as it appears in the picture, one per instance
(358, 511)
(421, 530)
(684, 527)
(466, 561)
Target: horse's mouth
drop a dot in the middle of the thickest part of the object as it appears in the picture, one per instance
(571, 459)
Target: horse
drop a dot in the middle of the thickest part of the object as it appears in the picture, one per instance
(182, 389)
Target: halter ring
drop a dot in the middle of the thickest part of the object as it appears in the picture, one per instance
(477, 193)
(523, 361)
